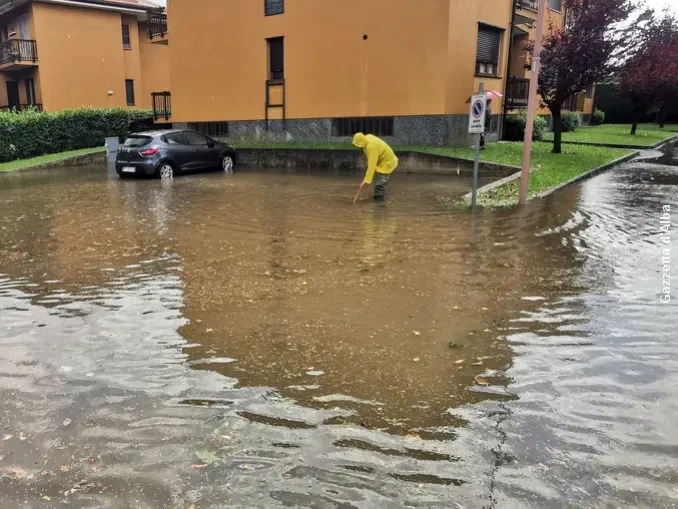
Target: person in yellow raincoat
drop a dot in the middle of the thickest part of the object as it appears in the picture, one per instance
(381, 161)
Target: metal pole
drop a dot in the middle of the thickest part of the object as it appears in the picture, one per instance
(481, 89)
(532, 102)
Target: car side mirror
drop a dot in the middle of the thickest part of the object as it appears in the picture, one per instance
(210, 144)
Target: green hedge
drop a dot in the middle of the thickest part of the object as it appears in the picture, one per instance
(29, 133)
(515, 127)
(571, 122)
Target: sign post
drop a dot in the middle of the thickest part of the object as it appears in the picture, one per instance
(476, 125)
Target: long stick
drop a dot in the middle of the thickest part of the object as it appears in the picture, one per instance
(532, 102)
(356, 195)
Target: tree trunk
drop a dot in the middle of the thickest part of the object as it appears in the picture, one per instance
(557, 130)
(634, 127)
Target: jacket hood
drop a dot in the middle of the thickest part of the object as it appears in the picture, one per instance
(359, 140)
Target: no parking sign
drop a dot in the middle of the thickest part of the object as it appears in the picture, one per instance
(476, 120)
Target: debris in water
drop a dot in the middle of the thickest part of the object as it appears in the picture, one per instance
(65, 468)
(479, 363)
(198, 467)
(416, 359)
(6, 437)
(45, 497)
(460, 361)
(207, 457)
(454, 346)
(67, 422)
(482, 381)
(315, 373)
(416, 333)
(16, 473)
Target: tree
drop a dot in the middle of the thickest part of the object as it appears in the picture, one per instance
(580, 54)
(649, 78)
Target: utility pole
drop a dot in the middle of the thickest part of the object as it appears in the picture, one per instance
(532, 101)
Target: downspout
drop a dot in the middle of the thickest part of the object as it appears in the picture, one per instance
(507, 74)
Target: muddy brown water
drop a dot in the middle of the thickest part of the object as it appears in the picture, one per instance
(258, 341)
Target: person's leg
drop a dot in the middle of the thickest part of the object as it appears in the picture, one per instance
(380, 183)
(482, 141)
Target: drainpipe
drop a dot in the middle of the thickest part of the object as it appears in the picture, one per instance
(508, 69)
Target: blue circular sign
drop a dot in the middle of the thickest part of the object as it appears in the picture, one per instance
(478, 109)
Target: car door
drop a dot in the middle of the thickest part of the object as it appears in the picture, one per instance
(199, 145)
(179, 151)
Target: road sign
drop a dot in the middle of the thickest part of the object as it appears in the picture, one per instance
(476, 120)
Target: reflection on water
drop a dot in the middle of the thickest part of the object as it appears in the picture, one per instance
(259, 341)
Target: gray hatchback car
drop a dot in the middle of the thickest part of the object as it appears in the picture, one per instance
(164, 154)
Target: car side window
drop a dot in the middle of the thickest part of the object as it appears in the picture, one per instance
(175, 139)
(194, 138)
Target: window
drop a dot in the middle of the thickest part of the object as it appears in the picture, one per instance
(379, 126)
(137, 141)
(590, 91)
(276, 60)
(556, 5)
(126, 39)
(174, 139)
(129, 91)
(211, 128)
(194, 138)
(273, 7)
(30, 92)
(487, 55)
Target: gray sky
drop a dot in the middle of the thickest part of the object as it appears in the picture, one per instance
(658, 5)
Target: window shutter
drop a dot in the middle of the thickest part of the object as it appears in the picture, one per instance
(488, 44)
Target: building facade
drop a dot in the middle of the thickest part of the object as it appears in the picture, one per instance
(321, 69)
(518, 69)
(57, 54)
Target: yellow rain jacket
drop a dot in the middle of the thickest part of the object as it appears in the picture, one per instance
(380, 157)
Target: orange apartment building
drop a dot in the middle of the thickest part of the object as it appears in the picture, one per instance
(57, 54)
(324, 69)
(524, 21)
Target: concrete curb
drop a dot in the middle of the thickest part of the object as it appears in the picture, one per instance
(588, 174)
(352, 161)
(79, 160)
(496, 183)
(613, 145)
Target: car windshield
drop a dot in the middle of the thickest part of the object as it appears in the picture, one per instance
(137, 141)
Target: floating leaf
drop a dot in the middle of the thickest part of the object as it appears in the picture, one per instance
(416, 333)
(416, 359)
(454, 346)
(45, 497)
(17, 473)
(479, 363)
(460, 361)
(207, 457)
(482, 381)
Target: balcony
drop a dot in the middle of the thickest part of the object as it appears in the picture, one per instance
(527, 5)
(517, 93)
(157, 23)
(18, 54)
(162, 105)
(22, 107)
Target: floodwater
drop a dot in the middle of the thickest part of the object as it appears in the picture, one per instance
(257, 341)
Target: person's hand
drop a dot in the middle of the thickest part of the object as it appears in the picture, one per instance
(360, 188)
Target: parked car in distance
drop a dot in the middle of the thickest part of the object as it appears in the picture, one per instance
(164, 154)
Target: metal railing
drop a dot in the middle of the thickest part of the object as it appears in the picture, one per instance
(22, 107)
(529, 5)
(157, 23)
(517, 93)
(575, 102)
(18, 50)
(162, 105)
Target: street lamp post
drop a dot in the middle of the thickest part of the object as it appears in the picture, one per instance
(532, 101)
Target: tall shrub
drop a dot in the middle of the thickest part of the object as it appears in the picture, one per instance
(30, 134)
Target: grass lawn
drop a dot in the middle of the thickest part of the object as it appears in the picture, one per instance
(549, 170)
(618, 134)
(22, 163)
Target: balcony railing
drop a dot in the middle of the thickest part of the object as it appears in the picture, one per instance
(157, 23)
(162, 105)
(529, 5)
(517, 93)
(18, 50)
(22, 107)
(575, 102)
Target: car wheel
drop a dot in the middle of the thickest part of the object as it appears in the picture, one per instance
(166, 171)
(227, 163)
